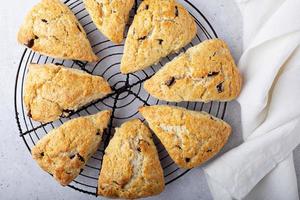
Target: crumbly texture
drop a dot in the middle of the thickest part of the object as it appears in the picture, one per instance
(53, 91)
(158, 29)
(131, 167)
(110, 16)
(64, 151)
(206, 72)
(190, 137)
(51, 28)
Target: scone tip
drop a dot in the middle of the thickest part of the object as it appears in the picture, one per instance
(141, 108)
(94, 58)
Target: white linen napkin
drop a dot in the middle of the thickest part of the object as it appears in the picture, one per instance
(270, 106)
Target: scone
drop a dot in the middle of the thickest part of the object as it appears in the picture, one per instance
(206, 72)
(110, 16)
(158, 29)
(51, 28)
(190, 137)
(64, 151)
(53, 91)
(131, 168)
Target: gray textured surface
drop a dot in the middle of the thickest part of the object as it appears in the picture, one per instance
(297, 165)
(21, 178)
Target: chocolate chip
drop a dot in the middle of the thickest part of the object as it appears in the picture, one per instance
(212, 74)
(176, 11)
(170, 82)
(42, 154)
(101, 187)
(45, 21)
(29, 114)
(71, 156)
(80, 157)
(98, 132)
(78, 27)
(36, 37)
(179, 147)
(160, 41)
(147, 7)
(187, 159)
(220, 87)
(212, 118)
(30, 43)
(139, 149)
(142, 38)
(209, 150)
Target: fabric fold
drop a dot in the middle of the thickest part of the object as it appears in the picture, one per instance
(270, 106)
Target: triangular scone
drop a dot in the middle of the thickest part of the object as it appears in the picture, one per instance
(64, 151)
(131, 167)
(52, 29)
(158, 29)
(206, 72)
(110, 16)
(190, 137)
(53, 91)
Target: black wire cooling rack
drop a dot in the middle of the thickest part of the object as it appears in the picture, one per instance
(128, 94)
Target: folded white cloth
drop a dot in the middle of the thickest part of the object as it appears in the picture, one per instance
(270, 106)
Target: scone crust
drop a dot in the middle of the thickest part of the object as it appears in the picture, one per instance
(190, 137)
(131, 167)
(51, 28)
(110, 16)
(158, 29)
(206, 72)
(64, 151)
(52, 91)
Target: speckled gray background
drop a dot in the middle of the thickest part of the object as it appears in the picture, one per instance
(21, 178)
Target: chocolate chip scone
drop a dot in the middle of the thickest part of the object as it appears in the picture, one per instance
(53, 91)
(110, 16)
(206, 72)
(51, 28)
(158, 29)
(190, 137)
(64, 151)
(131, 167)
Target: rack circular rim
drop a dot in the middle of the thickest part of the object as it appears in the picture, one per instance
(211, 33)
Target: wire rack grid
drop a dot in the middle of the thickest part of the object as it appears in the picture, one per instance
(128, 94)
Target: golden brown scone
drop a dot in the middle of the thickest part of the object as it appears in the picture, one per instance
(158, 29)
(131, 168)
(206, 72)
(110, 16)
(64, 151)
(52, 91)
(190, 137)
(51, 28)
